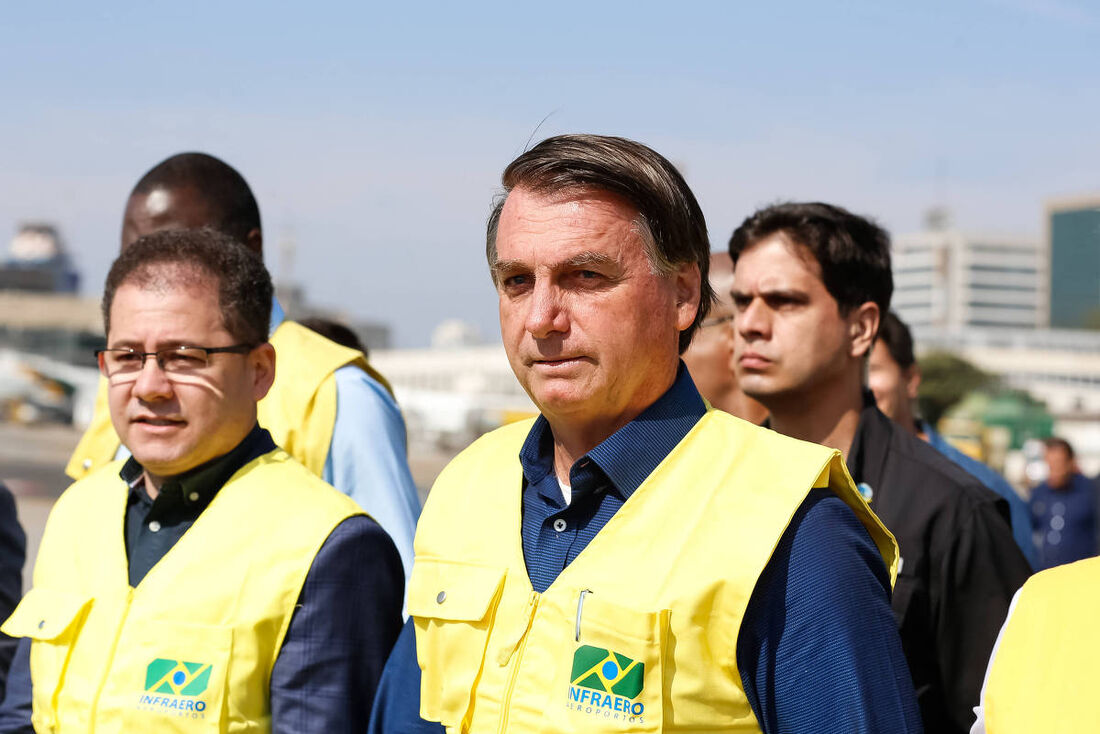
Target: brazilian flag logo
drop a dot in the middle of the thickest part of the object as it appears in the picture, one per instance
(607, 671)
(177, 677)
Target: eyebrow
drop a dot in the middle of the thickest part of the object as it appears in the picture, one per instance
(793, 294)
(577, 261)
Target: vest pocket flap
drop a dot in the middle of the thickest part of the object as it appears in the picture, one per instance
(45, 614)
(448, 590)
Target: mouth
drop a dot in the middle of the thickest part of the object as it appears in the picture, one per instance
(560, 362)
(157, 422)
(754, 361)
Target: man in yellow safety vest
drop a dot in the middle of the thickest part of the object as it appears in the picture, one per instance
(630, 560)
(209, 582)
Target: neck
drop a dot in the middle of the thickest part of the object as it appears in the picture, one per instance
(737, 403)
(575, 436)
(828, 416)
(153, 483)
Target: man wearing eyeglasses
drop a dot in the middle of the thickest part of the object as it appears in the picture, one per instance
(243, 593)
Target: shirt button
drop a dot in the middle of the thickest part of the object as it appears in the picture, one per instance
(441, 597)
(87, 463)
(559, 525)
(154, 526)
(194, 496)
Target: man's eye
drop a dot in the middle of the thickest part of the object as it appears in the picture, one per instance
(588, 274)
(126, 357)
(182, 360)
(516, 281)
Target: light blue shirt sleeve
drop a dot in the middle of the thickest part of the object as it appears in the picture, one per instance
(367, 458)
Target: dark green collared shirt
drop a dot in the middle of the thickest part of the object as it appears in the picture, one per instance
(154, 526)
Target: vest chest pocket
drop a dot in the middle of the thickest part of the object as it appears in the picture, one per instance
(172, 677)
(52, 620)
(609, 676)
(453, 605)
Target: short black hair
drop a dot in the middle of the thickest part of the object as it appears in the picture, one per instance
(189, 257)
(1055, 442)
(893, 332)
(335, 331)
(852, 251)
(223, 189)
(671, 223)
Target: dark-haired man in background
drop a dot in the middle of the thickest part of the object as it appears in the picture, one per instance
(630, 559)
(328, 407)
(811, 284)
(894, 379)
(243, 593)
(1064, 510)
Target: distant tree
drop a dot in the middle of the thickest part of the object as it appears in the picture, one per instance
(947, 378)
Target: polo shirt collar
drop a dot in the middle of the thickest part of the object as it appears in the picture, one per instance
(630, 454)
(198, 486)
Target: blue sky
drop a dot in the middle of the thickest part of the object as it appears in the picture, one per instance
(374, 135)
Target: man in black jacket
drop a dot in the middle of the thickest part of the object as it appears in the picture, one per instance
(811, 283)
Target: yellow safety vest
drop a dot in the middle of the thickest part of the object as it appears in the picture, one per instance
(191, 648)
(1044, 675)
(639, 632)
(299, 410)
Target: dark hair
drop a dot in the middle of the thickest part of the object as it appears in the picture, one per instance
(893, 332)
(189, 257)
(671, 224)
(1060, 443)
(225, 191)
(334, 331)
(852, 251)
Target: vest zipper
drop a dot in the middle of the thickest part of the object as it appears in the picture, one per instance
(110, 659)
(506, 702)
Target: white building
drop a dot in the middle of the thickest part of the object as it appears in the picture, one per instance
(1061, 367)
(946, 279)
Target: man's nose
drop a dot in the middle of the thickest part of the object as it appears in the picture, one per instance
(753, 320)
(152, 381)
(546, 313)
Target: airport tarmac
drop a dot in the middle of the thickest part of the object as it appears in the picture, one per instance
(32, 465)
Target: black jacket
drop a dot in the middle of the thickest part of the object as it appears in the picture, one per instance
(959, 564)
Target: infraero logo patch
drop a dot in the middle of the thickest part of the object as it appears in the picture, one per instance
(605, 683)
(175, 687)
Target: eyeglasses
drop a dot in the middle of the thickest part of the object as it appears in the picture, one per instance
(716, 321)
(182, 360)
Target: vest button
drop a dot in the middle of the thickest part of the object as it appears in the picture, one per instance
(41, 624)
(154, 526)
(441, 597)
(87, 463)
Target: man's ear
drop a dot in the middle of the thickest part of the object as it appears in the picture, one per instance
(912, 381)
(255, 241)
(262, 361)
(863, 324)
(688, 283)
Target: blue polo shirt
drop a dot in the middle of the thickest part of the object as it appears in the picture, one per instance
(818, 648)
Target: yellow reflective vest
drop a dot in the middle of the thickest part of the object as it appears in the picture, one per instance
(299, 410)
(1044, 674)
(191, 648)
(639, 632)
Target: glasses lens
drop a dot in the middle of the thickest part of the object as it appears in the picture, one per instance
(183, 360)
(121, 361)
